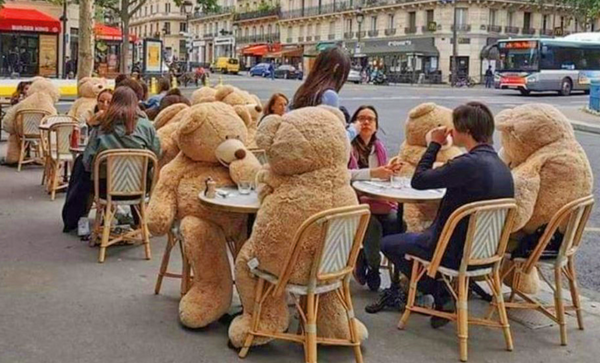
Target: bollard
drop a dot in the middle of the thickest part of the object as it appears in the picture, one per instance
(153, 86)
(594, 101)
(174, 83)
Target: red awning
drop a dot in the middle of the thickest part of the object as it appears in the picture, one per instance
(27, 20)
(256, 50)
(105, 32)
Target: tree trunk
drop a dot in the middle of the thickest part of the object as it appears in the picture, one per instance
(85, 60)
(125, 28)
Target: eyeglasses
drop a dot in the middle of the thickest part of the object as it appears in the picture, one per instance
(366, 119)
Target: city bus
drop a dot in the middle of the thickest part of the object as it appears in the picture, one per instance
(537, 65)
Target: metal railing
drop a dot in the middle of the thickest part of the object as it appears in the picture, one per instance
(494, 28)
(410, 30)
(461, 28)
(331, 37)
(317, 38)
(389, 32)
(348, 35)
(511, 29)
(207, 35)
(528, 31)
(309, 38)
(425, 29)
(219, 10)
(547, 32)
(273, 37)
(275, 11)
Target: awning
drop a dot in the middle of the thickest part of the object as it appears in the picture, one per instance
(289, 52)
(256, 50)
(419, 47)
(27, 20)
(105, 32)
(312, 52)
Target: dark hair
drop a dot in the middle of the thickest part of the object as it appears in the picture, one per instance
(329, 72)
(163, 84)
(120, 78)
(366, 107)
(169, 100)
(123, 109)
(476, 119)
(135, 86)
(271, 102)
(145, 89)
(174, 92)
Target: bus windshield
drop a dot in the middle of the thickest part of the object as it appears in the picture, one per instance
(519, 56)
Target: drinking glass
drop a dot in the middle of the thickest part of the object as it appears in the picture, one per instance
(399, 182)
(244, 187)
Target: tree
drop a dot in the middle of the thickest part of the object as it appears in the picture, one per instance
(85, 56)
(585, 11)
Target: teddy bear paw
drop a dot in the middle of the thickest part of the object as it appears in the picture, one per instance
(238, 331)
(197, 309)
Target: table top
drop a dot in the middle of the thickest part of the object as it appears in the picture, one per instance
(228, 199)
(383, 190)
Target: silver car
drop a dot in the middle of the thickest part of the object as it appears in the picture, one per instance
(354, 76)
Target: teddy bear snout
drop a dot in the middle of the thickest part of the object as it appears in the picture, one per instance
(240, 154)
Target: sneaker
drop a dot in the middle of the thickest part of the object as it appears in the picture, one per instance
(373, 279)
(392, 298)
(360, 269)
(424, 301)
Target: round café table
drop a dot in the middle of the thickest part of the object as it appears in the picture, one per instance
(228, 199)
(383, 190)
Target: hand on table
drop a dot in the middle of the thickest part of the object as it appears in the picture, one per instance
(382, 172)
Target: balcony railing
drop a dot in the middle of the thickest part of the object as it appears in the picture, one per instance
(320, 10)
(410, 30)
(425, 29)
(547, 32)
(389, 32)
(348, 35)
(274, 37)
(288, 40)
(494, 28)
(275, 11)
(219, 10)
(528, 31)
(208, 35)
(461, 28)
(300, 39)
(361, 34)
(373, 33)
(511, 29)
(331, 37)
(317, 38)
(309, 38)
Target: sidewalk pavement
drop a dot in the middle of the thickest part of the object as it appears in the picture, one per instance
(582, 120)
(57, 304)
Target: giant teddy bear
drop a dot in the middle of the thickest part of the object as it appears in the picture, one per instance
(88, 88)
(308, 154)
(237, 97)
(42, 95)
(166, 124)
(421, 120)
(549, 167)
(211, 138)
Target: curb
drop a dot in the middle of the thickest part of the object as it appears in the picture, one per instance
(585, 127)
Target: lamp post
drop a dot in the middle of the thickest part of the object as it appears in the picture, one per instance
(360, 17)
(234, 32)
(187, 7)
(64, 19)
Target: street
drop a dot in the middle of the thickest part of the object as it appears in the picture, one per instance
(58, 304)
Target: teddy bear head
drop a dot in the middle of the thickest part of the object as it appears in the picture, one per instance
(168, 115)
(90, 87)
(304, 140)
(527, 128)
(205, 127)
(424, 118)
(45, 86)
(203, 95)
(236, 97)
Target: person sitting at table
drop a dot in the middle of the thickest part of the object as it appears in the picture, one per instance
(102, 102)
(163, 87)
(477, 175)
(368, 159)
(276, 105)
(20, 93)
(171, 97)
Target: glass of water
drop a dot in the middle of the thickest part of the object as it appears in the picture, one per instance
(399, 182)
(244, 187)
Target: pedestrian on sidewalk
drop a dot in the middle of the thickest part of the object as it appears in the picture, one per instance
(272, 71)
(489, 78)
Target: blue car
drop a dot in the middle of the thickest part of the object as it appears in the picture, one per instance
(261, 69)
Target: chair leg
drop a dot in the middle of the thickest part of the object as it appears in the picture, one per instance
(412, 294)
(54, 182)
(503, 317)
(560, 308)
(45, 173)
(97, 225)
(575, 292)
(352, 323)
(21, 154)
(165, 263)
(255, 318)
(108, 214)
(145, 232)
(463, 317)
(311, 329)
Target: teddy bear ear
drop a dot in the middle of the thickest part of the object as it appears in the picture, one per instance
(244, 114)
(223, 92)
(84, 80)
(336, 112)
(267, 129)
(192, 119)
(422, 110)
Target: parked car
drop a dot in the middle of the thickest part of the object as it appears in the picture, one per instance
(354, 76)
(261, 69)
(225, 65)
(287, 72)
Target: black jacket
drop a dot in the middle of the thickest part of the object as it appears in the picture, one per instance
(475, 176)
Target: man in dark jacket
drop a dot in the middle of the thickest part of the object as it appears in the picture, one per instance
(475, 176)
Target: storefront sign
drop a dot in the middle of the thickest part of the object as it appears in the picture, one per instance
(48, 55)
(152, 56)
(28, 28)
(223, 41)
(399, 43)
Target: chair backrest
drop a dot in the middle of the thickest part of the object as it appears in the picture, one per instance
(126, 172)
(28, 122)
(489, 226)
(574, 217)
(341, 234)
(59, 138)
(261, 155)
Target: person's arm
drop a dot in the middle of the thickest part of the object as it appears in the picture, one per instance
(330, 98)
(360, 174)
(90, 152)
(454, 173)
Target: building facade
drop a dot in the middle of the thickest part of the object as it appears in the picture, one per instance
(213, 33)
(256, 26)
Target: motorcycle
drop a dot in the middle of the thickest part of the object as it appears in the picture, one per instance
(378, 78)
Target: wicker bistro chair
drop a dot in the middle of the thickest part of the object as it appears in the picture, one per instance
(174, 238)
(574, 216)
(49, 143)
(28, 129)
(59, 157)
(490, 224)
(126, 184)
(341, 234)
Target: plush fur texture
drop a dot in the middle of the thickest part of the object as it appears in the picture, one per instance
(88, 88)
(42, 95)
(549, 167)
(252, 105)
(205, 231)
(307, 173)
(421, 120)
(204, 94)
(167, 115)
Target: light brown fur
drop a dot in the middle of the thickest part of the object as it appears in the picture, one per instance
(88, 88)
